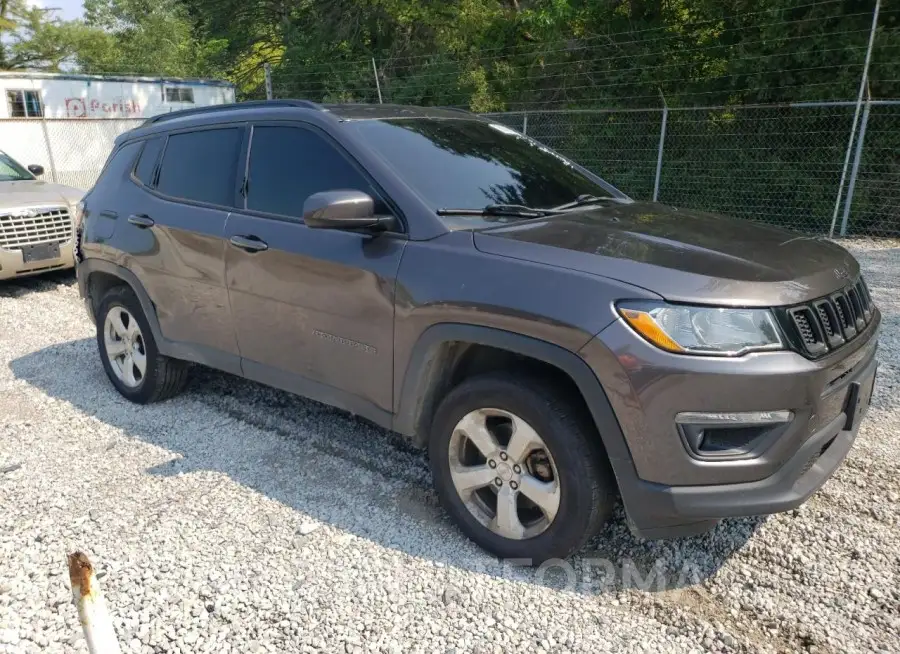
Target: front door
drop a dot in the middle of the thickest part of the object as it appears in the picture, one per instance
(313, 309)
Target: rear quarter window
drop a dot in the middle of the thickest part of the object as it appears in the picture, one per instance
(118, 167)
(146, 165)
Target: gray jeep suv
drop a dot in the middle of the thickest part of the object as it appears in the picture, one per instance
(551, 342)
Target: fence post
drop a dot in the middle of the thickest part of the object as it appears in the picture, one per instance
(267, 68)
(853, 173)
(377, 83)
(53, 174)
(525, 123)
(662, 141)
(859, 99)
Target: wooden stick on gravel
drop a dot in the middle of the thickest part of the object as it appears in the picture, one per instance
(95, 619)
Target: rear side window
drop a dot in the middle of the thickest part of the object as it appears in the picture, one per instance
(118, 166)
(200, 166)
(147, 163)
(288, 164)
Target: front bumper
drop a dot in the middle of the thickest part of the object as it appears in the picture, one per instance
(682, 510)
(12, 264)
(666, 489)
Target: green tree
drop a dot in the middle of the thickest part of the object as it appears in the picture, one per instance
(153, 37)
(32, 37)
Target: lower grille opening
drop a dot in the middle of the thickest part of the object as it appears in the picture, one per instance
(815, 457)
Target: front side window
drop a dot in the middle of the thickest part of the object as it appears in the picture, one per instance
(468, 164)
(179, 94)
(146, 165)
(201, 166)
(288, 164)
(25, 104)
(11, 170)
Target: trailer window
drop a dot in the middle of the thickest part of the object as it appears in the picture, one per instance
(25, 104)
(179, 94)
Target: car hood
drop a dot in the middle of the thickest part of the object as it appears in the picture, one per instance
(32, 193)
(680, 254)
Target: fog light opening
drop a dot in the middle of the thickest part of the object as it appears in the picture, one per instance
(742, 418)
(726, 435)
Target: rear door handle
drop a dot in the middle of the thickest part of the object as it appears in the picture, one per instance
(141, 220)
(249, 243)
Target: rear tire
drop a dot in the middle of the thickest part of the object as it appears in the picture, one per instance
(562, 471)
(129, 353)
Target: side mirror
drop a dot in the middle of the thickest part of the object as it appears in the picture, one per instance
(342, 209)
(36, 170)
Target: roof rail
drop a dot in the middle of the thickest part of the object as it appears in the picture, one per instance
(458, 110)
(307, 104)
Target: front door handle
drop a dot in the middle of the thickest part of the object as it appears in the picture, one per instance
(141, 220)
(249, 243)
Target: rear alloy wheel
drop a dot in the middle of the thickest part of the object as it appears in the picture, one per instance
(519, 467)
(125, 348)
(129, 354)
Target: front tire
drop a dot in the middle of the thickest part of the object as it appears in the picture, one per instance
(519, 468)
(129, 353)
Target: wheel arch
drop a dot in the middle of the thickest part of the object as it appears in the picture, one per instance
(441, 350)
(96, 277)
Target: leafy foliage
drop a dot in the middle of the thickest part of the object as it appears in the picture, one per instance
(31, 37)
(141, 36)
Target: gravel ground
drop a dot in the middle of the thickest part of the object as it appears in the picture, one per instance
(239, 518)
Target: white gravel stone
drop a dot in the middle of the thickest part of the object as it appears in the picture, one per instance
(196, 510)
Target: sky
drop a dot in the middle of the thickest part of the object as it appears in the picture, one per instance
(68, 9)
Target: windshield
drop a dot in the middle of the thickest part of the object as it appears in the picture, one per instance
(469, 164)
(11, 170)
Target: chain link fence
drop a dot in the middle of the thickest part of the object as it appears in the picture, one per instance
(778, 164)
(71, 151)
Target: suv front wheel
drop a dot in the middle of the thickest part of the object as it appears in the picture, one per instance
(129, 353)
(519, 468)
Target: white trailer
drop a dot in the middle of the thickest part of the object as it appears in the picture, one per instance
(64, 95)
(67, 122)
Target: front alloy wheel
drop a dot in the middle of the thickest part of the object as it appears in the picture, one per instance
(519, 466)
(504, 473)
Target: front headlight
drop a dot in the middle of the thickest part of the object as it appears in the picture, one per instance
(703, 330)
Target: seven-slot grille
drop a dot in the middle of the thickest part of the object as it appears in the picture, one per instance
(22, 227)
(829, 322)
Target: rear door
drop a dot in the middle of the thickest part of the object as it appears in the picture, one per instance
(313, 308)
(189, 182)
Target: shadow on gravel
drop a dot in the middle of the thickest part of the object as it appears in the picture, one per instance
(37, 284)
(316, 454)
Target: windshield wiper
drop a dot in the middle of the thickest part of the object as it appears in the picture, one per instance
(517, 210)
(583, 201)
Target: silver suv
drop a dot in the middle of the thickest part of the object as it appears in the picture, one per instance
(37, 221)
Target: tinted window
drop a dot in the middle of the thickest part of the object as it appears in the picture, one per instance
(468, 164)
(118, 167)
(201, 165)
(288, 164)
(147, 162)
